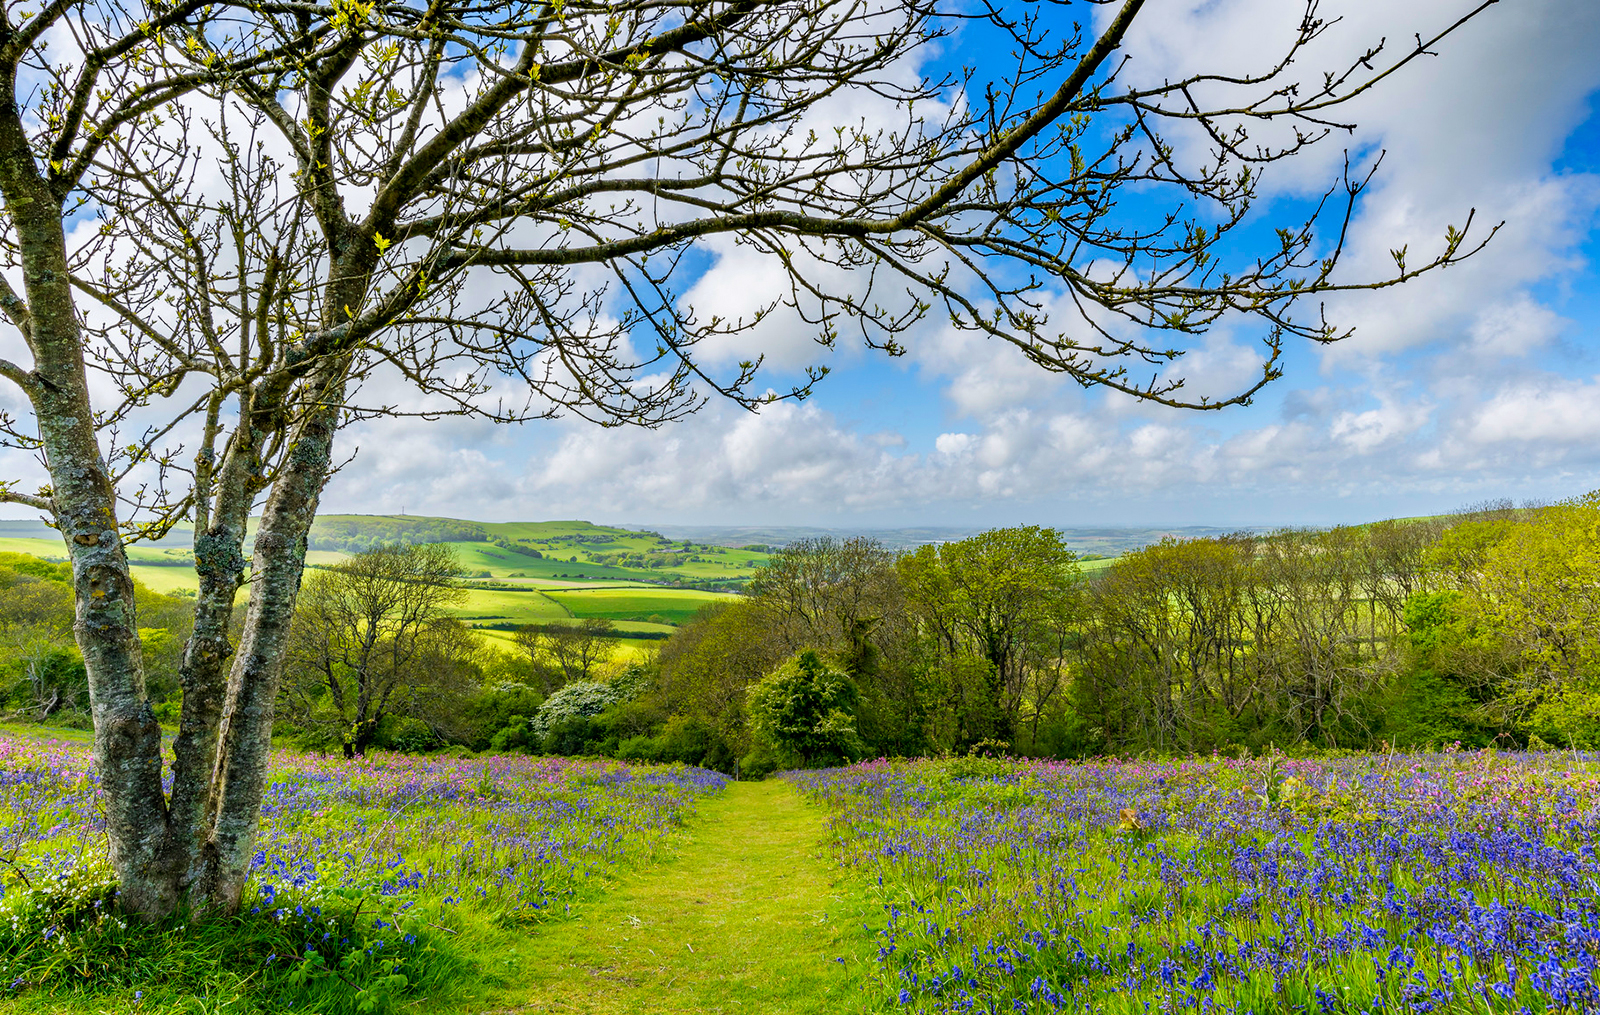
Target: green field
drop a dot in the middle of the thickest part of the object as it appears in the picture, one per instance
(627, 650)
(528, 607)
(49, 549)
(567, 549)
(676, 605)
(547, 599)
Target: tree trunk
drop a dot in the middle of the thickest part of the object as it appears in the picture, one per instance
(127, 742)
(245, 737)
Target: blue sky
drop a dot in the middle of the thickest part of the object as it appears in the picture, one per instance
(1481, 382)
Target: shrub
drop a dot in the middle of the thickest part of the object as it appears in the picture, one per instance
(759, 763)
(574, 736)
(806, 709)
(581, 699)
(411, 735)
(515, 735)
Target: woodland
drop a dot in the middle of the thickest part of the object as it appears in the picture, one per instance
(1474, 629)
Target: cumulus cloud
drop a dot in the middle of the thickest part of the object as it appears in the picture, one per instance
(1456, 386)
(1468, 383)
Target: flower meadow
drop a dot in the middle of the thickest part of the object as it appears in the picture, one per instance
(1453, 882)
(357, 861)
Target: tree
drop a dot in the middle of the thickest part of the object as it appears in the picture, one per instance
(372, 637)
(564, 653)
(580, 700)
(454, 190)
(806, 709)
(708, 665)
(1535, 596)
(822, 591)
(997, 595)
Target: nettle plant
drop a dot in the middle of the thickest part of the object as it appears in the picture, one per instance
(495, 209)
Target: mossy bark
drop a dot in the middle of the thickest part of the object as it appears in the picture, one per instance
(192, 850)
(127, 744)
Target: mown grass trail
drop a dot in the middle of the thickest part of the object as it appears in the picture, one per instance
(751, 916)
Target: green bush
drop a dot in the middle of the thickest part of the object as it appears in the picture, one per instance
(515, 735)
(806, 709)
(573, 736)
(410, 735)
(761, 762)
(498, 717)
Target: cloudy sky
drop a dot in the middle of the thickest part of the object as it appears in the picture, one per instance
(1481, 381)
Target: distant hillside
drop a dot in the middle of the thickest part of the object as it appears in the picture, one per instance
(586, 540)
(27, 529)
(1109, 542)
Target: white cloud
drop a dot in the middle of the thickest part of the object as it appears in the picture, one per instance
(1468, 383)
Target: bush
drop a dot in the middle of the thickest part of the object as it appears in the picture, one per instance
(806, 709)
(575, 736)
(412, 736)
(581, 699)
(638, 748)
(498, 718)
(759, 763)
(515, 735)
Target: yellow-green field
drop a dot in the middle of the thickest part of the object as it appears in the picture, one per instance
(628, 650)
(530, 607)
(49, 549)
(676, 605)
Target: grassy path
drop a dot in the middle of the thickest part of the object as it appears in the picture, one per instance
(749, 917)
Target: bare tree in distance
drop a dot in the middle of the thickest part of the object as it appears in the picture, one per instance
(566, 653)
(362, 637)
(495, 204)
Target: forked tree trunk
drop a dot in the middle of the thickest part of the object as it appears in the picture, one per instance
(193, 850)
(278, 564)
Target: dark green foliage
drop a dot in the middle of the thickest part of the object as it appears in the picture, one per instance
(760, 763)
(680, 739)
(515, 736)
(576, 736)
(498, 717)
(1424, 709)
(409, 735)
(515, 547)
(806, 709)
(352, 535)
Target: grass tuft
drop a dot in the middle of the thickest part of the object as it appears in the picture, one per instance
(65, 946)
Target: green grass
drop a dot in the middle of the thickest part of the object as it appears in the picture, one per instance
(529, 607)
(677, 605)
(749, 917)
(49, 549)
(742, 911)
(32, 731)
(627, 651)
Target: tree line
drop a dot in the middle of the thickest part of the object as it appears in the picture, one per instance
(1479, 627)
